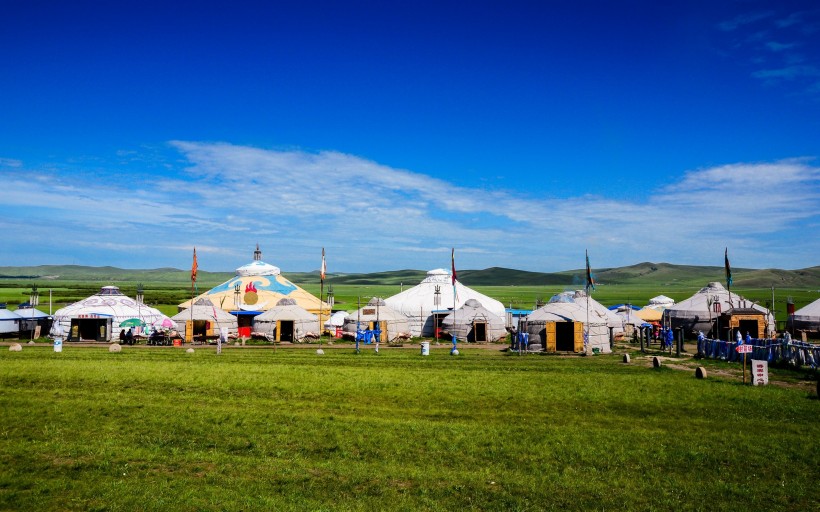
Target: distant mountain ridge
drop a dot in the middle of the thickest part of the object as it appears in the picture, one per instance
(640, 273)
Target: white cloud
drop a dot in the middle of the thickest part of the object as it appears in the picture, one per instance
(374, 217)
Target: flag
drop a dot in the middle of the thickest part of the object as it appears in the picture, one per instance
(323, 270)
(453, 261)
(194, 268)
(590, 281)
(728, 268)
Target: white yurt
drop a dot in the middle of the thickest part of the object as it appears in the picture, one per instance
(205, 320)
(392, 323)
(336, 320)
(562, 324)
(806, 318)
(418, 303)
(9, 321)
(660, 303)
(98, 317)
(287, 321)
(580, 297)
(472, 322)
(699, 312)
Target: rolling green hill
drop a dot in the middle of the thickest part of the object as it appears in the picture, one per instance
(640, 274)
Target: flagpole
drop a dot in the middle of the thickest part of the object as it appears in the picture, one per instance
(321, 293)
(194, 268)
(454, 350)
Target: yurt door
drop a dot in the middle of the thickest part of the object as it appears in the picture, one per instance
(284, 330)
(479, 332)
(579, 337)
(549, 337)
(565, 336)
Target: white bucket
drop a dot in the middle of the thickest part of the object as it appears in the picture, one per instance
(425, 348)
(58, 344)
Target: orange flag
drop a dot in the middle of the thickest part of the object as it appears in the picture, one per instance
(194, 268)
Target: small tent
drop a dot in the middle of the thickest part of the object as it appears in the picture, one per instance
(336, 320)
(287, 321)
(660, 303)
(392, 323)
(806, 318)
(204, 320)
(9, 321)
(32, 319)
(435, 294)
(563, 324)
(474, 323)
(702, 311)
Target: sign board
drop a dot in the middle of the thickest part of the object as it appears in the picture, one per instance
(744, 349)
(369, 311)
(760, 372)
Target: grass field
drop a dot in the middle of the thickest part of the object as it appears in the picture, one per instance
(263, 429)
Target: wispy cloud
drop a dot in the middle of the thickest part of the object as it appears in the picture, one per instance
(375, 217)
(744, 19)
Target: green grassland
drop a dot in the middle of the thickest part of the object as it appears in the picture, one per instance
(254, 429)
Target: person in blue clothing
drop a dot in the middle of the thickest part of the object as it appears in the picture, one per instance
(670, 338)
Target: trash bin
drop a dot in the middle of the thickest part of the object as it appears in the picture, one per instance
(425, 348)
(177, 342)
(338, 332)
(58, 344)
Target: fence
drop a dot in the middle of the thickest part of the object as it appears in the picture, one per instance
(776, 351)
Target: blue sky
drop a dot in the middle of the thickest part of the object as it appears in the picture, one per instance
(520, 133)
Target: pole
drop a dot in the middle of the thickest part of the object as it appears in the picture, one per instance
(321, 292)
(744, 367)
(358, 320)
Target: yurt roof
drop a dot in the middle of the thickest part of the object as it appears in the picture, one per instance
(370, 312)
(567, 312)
(422, 296)
(471, 310)
(809, 310)
(204, 309)
(109, 302)
(6, 314)
(699, 303)
(661, 300)
(580, 297)
(287, 309)
(260, 287)
(337, 319)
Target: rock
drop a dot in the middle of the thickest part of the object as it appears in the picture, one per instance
(656, 362)
(320, 351)
(31, 342)
(700, 372)
(454, 352)
(626, 358)
(189, 351)
(16, 348)
(115, 347)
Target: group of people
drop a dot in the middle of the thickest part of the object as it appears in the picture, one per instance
(157, 337)
(127, 337)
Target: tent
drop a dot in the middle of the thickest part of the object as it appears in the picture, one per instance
(561, 325)
(660, 303)
(205, 320)
(806, 318)
(256, 287)
(392, 323)
(98, 317)
(473, 322)
(337, 319)
(9, 321)
(33, 318)
(701, 311)
(287, 321)
(613, 319)
(435, 293)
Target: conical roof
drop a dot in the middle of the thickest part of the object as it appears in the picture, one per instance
(258, 286)
(462, 320)
(698, 311)
(808, 317)
(30, 312)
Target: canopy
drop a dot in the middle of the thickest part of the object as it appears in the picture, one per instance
(337, 319)
(418, 303)
(474, 322)
(109, 302)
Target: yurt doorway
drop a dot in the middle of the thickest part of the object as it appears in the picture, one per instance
(749, 326)
(478, 332)
(565, 336)
(96, 329)
(284, 331)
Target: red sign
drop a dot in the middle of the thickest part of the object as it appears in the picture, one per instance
(741, 349)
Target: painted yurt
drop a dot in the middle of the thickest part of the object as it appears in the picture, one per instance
(419, 302)
(561, 325)
(701, 311)
(9, 321)
(204, 320)
(392, 323)
(98, 317)
(287, 321)
(660, 303)
(33, 318)
(257, 287)
(472, 322)
(806, 318)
